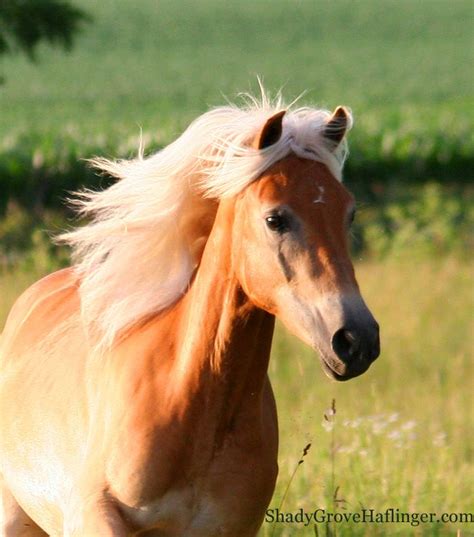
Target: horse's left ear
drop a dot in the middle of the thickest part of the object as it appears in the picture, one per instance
(338, 124)
(271, 132)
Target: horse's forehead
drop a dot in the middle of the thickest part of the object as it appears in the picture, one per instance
(298, 181)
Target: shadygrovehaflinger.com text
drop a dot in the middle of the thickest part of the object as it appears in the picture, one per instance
(364, 516)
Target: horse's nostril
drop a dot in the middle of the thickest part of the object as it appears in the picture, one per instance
(346, 344)
(353, 340)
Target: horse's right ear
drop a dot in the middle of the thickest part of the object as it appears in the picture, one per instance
(271, 132)
(337, 126)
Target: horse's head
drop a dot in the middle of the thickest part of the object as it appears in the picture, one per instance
(291, 255)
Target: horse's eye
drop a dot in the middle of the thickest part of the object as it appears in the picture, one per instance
(278, 223)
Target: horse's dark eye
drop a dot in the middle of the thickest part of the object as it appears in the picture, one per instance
(277, 222)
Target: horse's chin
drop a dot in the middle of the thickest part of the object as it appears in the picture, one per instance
(336, 369)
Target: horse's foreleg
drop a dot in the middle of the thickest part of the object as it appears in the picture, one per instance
(14, 522)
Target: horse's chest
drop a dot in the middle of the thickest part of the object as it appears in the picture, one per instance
(227, 500)
(182, 512)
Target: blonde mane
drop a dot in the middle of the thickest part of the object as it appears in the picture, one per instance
(140, 249)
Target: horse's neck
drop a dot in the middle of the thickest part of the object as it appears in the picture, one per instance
(222, 359)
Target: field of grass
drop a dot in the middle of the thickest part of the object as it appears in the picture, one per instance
(402, 435)
(403, 432)
(157, 64)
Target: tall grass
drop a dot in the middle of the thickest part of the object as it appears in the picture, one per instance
(403, 436)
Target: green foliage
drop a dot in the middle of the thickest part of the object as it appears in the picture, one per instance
(26, 240)
(26, 23)
(38, 172)
(38, 169)
(427, 220)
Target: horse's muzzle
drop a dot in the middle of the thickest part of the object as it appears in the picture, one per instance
(355, 348)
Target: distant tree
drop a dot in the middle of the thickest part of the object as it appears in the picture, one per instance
(26, 23)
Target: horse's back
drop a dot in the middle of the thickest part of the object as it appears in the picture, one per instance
(42, 363)
(41, 308)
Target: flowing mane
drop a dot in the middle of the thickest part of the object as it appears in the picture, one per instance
(147, 231)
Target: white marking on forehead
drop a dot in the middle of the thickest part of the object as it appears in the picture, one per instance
(320, 197)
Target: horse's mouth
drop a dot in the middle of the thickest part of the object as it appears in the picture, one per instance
(330, 369)
(350, 373)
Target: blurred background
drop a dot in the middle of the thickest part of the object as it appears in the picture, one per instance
(401, 435)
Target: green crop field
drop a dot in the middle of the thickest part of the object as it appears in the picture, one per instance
(402, 435)
(158, 64)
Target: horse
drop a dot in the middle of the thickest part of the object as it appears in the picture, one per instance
(134, 394)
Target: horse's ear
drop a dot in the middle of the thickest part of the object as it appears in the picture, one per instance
(271, 132)
(338, 125)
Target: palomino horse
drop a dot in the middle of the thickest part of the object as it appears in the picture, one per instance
(135, 398)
